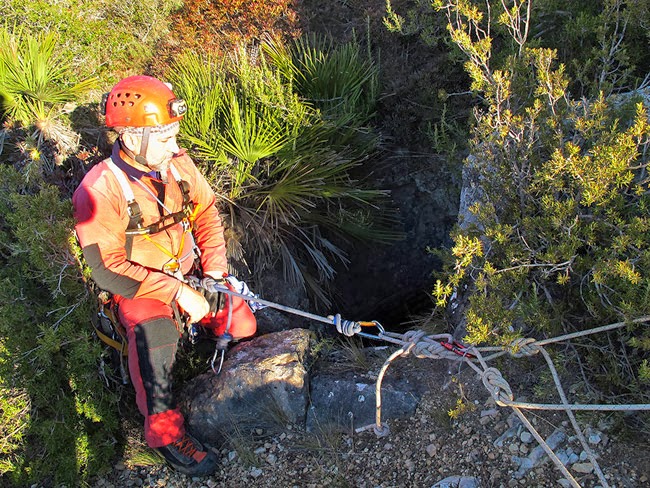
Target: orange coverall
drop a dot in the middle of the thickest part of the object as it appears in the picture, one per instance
(132, 270)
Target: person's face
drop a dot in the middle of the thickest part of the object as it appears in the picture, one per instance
(162, 147)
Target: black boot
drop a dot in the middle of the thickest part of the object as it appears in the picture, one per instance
(188, 456)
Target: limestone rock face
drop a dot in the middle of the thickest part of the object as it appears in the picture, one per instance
(346, 401)
(263, 385)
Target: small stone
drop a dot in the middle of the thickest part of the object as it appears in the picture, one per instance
(526, 437)
(432, 450)
(489, 413)
(457, 482)
(410, 465)
(256, 472)
(523, 448)
(513, 448)
(594, 439)
(271, 459)
(491, 455)
(584, 468)
(232, 455)
(388, 446)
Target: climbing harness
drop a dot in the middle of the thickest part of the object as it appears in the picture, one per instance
(186, 217)
(109, 330)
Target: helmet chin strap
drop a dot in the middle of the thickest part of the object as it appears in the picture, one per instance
(141, 158)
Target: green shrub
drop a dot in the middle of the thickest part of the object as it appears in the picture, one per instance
(602, 43)
(34, 87)
(105, 39)
(560, 240)
(48, 357)
(58, 419)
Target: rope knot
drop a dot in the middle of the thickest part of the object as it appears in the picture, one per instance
(497, 385)
(345, 327)
(524, 346)
(420, 345)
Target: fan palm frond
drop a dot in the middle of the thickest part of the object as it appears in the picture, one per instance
(34, 77)
(285, 145)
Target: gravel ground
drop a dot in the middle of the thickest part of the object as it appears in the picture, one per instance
(418, 452)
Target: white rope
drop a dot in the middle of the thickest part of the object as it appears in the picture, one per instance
(430, 346)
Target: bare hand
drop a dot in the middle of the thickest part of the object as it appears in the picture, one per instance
(193, 303)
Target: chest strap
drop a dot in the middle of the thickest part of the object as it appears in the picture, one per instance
(136, 223)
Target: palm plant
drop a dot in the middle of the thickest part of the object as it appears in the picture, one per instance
(281, 164)
(33, 89)
(340, 80)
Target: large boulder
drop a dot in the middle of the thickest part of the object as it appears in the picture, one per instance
(263, 384)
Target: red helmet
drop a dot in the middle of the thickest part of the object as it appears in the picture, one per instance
(142, 101)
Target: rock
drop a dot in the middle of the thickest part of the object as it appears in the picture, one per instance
(432, 450)
(263, 384)
(272, 286)
(343, 400)
(514, 430)
(594, 438)
(492, 412)
(584, 468)
(458, 482)
(537, 455)
(526, 437)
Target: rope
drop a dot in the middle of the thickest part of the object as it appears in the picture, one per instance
(443, 346)
(345, 327)
(430, 346)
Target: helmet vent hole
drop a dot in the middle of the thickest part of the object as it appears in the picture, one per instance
(131, 104)
(137, 95)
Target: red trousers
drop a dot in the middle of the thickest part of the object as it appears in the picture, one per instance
(152, 337)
